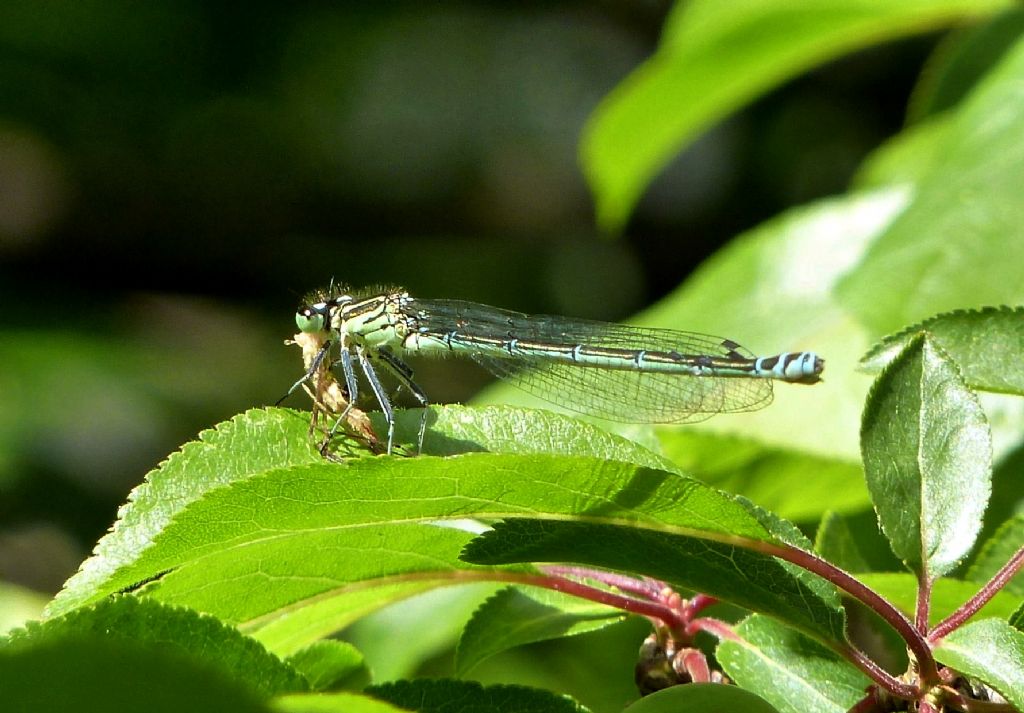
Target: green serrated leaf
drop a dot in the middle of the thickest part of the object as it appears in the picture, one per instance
(790, 671)
(257, 578)
(516, 616)
(202, 639)
(331, 665)
(997, 551)
(965, 219)
(91, 672)
(948, 595)
(703, 697)
(986, 344)
(715, 57)
(262, 549)
(782, 529)
(728, 572)
(990, 650)
(927, 457)
(450, 696)
(325, 500)
(452, 430)
(261, 440)
(332, 703)
(250, 443)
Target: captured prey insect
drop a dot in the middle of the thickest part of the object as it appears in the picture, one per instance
(330, 401)
(613, 371)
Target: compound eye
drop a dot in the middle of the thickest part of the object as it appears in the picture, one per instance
(309, 320)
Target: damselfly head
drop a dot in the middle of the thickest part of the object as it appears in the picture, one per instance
(314, 315)
(312, 318)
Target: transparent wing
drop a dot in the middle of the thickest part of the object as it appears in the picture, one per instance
(616, 394)
(631, 396)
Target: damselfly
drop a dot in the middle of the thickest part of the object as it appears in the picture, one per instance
(613, 371)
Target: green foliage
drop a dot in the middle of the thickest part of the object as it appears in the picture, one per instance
(330, 665)
(332, 703)
(843, 543)
(948, 595)
(714, 57)
(930, 477)
(908, 157)
(145, 623)
(514, 617)
(18, 605)
(1016, 620)
(217, 458)
(796, 485)
(228, 570)
(792, 672)
(998, 550)
(425, 635)
(747, 578)
(378, 519)
(97, 674)
(967, 200)
(468, 697)
(704, 697)
(981, 342)
(991, 650)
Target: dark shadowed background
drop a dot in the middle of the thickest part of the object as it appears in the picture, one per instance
(175, 174)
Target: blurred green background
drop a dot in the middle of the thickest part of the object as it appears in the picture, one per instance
(175, 174)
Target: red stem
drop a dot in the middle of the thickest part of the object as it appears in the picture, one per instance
(680, 629)
(924, 600)
(716, 627)
(975, 603)
(802, 558)
(649, 588)
(928, 670)
(867, 704)
(858, 590)
(879, 675)
(652, 610)
(696, 664)
(699, 603)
